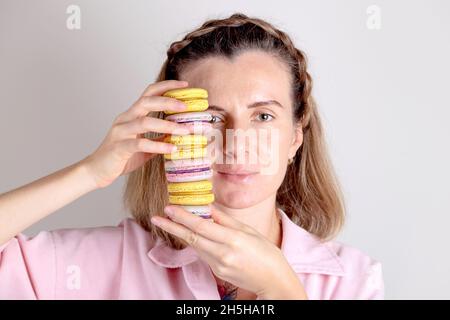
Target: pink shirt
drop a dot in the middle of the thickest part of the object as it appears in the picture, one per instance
(123, 262)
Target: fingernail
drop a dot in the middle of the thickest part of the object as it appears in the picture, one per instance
(168, 211)
(181, 106)
(154, 220)
(173, 148)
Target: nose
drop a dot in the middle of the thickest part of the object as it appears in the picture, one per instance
(238, 138)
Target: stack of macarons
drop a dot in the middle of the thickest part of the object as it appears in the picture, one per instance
(188, 169)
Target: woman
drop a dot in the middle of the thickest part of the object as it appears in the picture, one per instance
(270, 238)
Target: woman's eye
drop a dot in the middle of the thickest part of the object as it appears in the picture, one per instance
(215, 119)
(265, 117)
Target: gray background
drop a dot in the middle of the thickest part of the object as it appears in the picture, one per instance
(382, 94)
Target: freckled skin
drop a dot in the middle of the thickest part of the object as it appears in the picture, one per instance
(233, 85)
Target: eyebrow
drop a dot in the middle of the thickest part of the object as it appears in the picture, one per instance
(252, 105)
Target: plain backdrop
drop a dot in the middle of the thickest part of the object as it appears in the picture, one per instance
(383, 95)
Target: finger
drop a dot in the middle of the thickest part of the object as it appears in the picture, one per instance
(131, 146)
(149, 124)
(208, 246)
(146, 104)
(228, 221)
(160, 87)
(204, 227)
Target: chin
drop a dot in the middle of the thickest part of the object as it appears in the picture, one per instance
(240, 194)
(236, 199)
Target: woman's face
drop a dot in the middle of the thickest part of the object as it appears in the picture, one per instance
(251, 142)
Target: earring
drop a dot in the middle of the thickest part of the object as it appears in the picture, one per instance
(290, 160)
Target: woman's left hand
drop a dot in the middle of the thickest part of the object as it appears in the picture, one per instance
(236, 253)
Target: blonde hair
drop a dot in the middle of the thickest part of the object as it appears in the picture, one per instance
(310, 193)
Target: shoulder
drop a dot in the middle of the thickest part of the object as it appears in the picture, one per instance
(71, 241)
(353, 260)
(91, 262)
(105, 238)
(330, 269)
(68, 237)
(362, 274)
(73, 262)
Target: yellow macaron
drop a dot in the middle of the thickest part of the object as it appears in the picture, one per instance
(187, 93)
(188, 153)
(192, 106)
(196, 199)
(191, 186)
(190, 139)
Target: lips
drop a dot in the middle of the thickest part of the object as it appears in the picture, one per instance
(237, 175)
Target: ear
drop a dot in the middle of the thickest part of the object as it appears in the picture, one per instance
(297, 140)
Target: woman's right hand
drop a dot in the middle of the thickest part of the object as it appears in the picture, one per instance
(125, 148)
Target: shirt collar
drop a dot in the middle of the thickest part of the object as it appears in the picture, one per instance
(304, 252)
